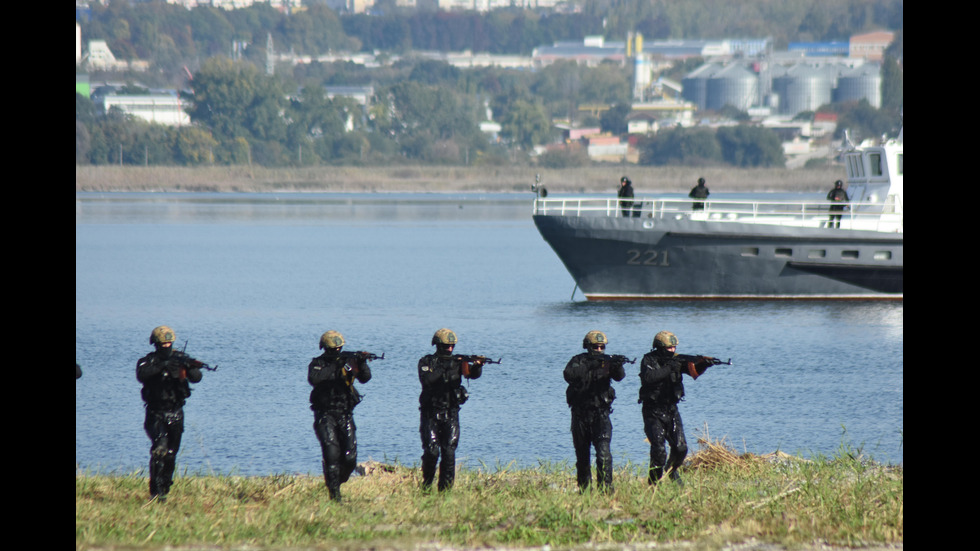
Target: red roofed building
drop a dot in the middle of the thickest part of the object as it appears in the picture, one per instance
(870, 46)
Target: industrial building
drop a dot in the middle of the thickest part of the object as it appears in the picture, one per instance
(795, 88)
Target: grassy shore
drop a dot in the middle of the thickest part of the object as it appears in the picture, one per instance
(601, 179)
(772, 502)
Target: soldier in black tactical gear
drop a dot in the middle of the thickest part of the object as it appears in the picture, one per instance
(441, 375)
(661, 388)
(590, 395)
(699, 191)
(838, 198)
(332, 400)
(165, 374)
(625, 195)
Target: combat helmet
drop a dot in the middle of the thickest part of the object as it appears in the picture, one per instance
(162, 334)
(665, 339)
(331, 339)
(594, 337)
(444, 336)
(700, 181)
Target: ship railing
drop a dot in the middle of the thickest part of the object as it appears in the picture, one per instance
(878, 217)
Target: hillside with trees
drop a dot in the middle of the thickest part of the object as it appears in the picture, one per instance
(425, 111)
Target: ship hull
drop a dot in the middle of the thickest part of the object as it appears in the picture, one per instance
(645, 258)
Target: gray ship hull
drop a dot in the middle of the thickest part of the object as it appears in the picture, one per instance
(644, 258)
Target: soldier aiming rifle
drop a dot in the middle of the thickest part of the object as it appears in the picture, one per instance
(661, 389)
(165, 374)
(333, 398)
(441, 375)
(590, 396)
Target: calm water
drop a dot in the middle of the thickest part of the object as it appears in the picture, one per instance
(250, 282)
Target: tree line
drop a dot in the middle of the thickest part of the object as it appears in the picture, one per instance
(421, 111)
(171, 36)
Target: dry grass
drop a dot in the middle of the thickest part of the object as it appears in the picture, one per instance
(715, 454)
(728, 501)
(596, 179)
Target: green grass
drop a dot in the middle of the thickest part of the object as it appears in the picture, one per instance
(843, 500)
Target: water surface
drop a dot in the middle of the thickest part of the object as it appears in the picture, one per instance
(250, 281)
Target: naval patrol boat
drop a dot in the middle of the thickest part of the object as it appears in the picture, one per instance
(734, 249)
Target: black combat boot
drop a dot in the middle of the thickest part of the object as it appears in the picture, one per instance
(656, 473)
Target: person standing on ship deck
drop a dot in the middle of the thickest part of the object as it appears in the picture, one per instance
(699, 191)
(838, 197)
(625, 195)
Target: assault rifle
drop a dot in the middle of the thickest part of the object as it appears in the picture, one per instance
(198, 363)
(351, 359)
(702, 360)
(607, 361)
(369, 356)
(467, 359)
(697, 365)
(618, 358)
(473, 358)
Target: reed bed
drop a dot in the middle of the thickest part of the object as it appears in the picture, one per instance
(435, 179)
(726, 499)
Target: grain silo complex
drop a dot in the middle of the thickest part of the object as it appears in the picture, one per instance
(733, 85)
(862, 82)
(695, 85)
(795, 88)
(804, 88)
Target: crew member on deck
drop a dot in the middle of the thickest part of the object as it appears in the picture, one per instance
(625, 195)
(699, 191)
(839, 199)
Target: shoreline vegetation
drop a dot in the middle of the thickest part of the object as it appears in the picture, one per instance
(727, 501)
(647, 180)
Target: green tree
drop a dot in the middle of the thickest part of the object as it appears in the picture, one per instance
(222, 92)
(863, 121)
(234, 100)
(152, 144)
(435, 72)
(112, 137)
(210, 30)
(418, 115)
(525, 124)
(614, 120)
(607, 84)
(681, 146)
(83, 143)
(892, 85)
(750, 146)
(194, 146)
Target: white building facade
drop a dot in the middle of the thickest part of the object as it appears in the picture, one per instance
(159, 108)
